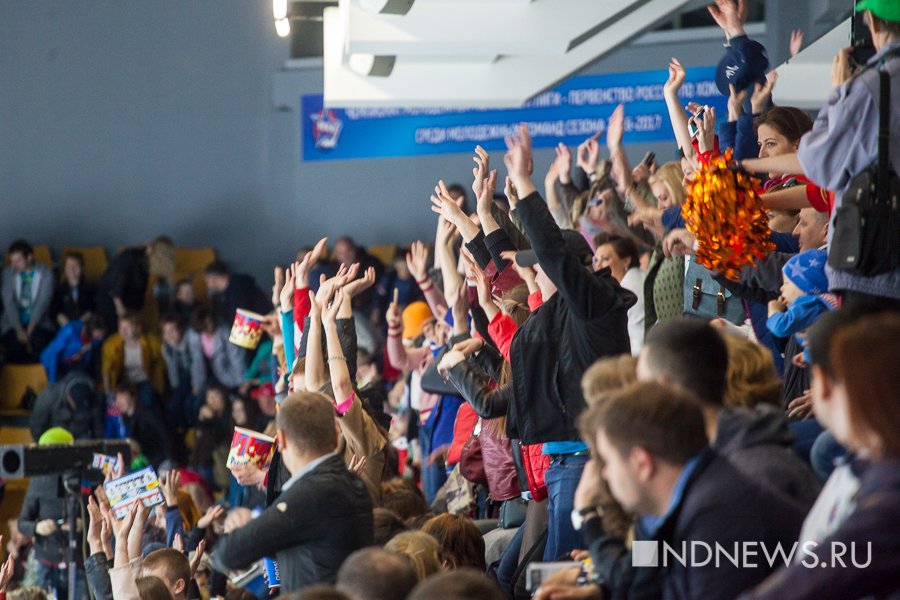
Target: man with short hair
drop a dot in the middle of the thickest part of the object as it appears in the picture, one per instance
(651, 442)
(376, 574)
(143, 425)
(324, 511)
(230, 291)
(172, 567)
(689, 354)
(27, 294)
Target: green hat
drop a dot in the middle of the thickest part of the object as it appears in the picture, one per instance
(55, 435)
(886, 10)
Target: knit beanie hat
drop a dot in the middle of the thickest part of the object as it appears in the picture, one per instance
(807, 271)
(55, 435)
(414, 317)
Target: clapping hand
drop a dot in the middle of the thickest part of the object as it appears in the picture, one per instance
(588, 154)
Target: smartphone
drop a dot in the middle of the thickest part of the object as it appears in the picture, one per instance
(537, 573)
(649, 158)
(692, 127)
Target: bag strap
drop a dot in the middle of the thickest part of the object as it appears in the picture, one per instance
(884, 122)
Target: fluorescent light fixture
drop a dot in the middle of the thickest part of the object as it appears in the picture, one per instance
(279, 9)
(283, 27)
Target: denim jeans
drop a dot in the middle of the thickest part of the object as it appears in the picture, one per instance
(48, 577)
(562, 479)
(509, 562)
(805, 434)
(432, 476)
(825, 450)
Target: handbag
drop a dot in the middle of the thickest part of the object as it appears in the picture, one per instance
(706, 298)
(512, 513)
(471, 459)
(866, 234)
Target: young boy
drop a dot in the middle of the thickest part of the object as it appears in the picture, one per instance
(803, 295)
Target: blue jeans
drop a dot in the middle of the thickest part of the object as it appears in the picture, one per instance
(805, 434)
(825, 450)
(48, 577)
(509, 562)
(562, 479)
(432, 476)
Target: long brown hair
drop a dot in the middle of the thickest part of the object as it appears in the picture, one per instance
(864, 356)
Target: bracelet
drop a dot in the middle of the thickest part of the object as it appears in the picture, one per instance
(331, 358)
(423, 281)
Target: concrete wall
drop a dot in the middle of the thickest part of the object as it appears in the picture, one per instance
(120, 121)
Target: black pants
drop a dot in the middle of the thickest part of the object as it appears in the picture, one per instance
(17, 352)
(860, 301)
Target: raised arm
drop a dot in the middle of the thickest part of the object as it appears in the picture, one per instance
(677, 115)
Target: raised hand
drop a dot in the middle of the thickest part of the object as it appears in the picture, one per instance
(796, 42)
(278, 285)
(6, 569)
(392, 317)
(94, 533)
(305, 266)
(212, 513)
(762, 94)
(329, 314)
(588, 154)
(178, 543)
(679, 242)
(417, 260)
(485, 200)
(676, 79)
(197, 558)
(519, 160)
(509, 190)
(444, 205)
(469, 346)
(527, 274)
(564, 163)
(448, 361)
(287, 290)
(736, 102)
(358, 286)
(136, 534)
(357, 464)
(480, 171)
(729, 16)
(327, 286)
(170, 485)
(706, 138)
(615, 128)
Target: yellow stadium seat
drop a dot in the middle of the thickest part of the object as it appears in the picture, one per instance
(384, 253)
(42, 255)
(189, 264)
(15, 379)
(95, 260)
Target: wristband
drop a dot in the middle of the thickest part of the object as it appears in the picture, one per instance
(331, 358)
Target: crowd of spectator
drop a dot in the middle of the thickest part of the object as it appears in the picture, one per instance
(522, 407)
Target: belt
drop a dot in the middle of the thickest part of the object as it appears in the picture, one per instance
(579, 453)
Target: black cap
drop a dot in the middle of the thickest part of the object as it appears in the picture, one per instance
(575, 243)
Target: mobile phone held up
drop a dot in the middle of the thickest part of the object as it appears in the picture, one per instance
(692, 125)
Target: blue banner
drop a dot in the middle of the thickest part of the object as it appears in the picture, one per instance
(570, 112)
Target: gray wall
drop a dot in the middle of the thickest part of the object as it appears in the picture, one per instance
(123, 120)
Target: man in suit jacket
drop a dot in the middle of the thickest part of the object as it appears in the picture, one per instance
(324, 512)
(27, 295)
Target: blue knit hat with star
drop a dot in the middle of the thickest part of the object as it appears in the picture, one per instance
(807, 271)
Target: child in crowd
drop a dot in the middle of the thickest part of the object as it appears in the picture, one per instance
(803, 295)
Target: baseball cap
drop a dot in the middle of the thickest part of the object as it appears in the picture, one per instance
(745, 63)
(575, 245)
(887, 10)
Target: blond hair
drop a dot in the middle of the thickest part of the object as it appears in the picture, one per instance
(422, 550)
(751, 378)
(671, 176)
(607, 375)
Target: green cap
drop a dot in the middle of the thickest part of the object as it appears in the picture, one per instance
(55, 435)
(886, 10)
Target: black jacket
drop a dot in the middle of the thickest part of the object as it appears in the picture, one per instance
(64, 302)
(873, 522)
(126, 278)
(242, 292)
(719, 505)
(52, 409)
(147, 429)
(43, 501)
(310, 529)
(759, 444)
(586, 319)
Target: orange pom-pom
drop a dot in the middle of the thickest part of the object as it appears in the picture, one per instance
(727, 217)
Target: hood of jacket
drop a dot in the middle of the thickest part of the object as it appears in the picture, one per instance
(741, 428)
